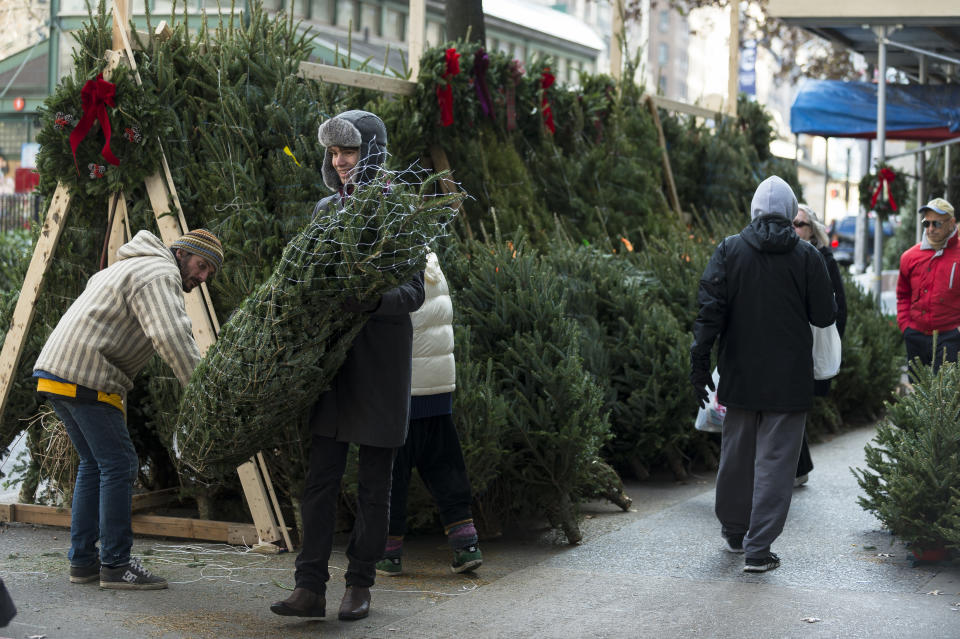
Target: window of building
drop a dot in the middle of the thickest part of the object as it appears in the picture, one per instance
(663, 25)
(322, 10)
(662, 84)
(683, 63)
(370, 18)
(683, 91)
(663, 54)
(396, 25)
(434, 35)
(300, 8)
(348, 12)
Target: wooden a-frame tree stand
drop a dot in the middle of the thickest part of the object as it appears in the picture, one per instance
(161, 191)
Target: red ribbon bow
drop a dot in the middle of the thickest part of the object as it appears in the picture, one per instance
(445, 94)
(884, 183)
(546, 81)
(95, 97)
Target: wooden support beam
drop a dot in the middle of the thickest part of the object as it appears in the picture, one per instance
(163, 32)
(259, 502)
(170, 231)
(667, 170)
(682, 107)
(154, 499)
(119, 227)
(617, 42)
(360, 79)
(26, 304)
(153, 525)
(416, 35)
(273, 499)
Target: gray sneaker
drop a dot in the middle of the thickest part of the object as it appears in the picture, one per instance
(130, 576)
(84, 574)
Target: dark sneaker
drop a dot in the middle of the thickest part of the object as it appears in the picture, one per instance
(390, 566)
(733, 543)
(761, 564)
(84, 574)
(466, 559)
(130, 576)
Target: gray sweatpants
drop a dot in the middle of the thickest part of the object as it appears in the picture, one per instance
(758, 461)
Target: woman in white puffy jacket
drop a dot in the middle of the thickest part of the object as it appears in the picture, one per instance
(432, 445)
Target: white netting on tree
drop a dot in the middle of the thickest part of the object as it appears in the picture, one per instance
(283, 345)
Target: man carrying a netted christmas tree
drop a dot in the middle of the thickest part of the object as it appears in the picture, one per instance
(759, 294)
(432, 446)
(928, 289)
(85, 370)
(367, 404)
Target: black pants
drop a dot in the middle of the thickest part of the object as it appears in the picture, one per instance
(920, 345)
(328, 460)
(433, 448)
(805, 463)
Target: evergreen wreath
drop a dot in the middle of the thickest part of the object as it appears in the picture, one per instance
(135, 122)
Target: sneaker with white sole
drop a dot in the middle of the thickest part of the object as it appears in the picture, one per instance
(466, 559)
(733, 543)
(801, 480)
(130, 576)
(761, 564)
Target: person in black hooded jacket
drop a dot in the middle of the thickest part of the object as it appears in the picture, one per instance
(759, 294)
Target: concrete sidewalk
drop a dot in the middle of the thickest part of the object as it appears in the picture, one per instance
(659, 571)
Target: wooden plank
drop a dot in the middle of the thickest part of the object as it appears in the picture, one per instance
(153, 499)
(416, 32)
(163, 32)
(273, 499)
(682, 107)
(617, 42)
(119, 229)
(360, 79)
(667, 170)
(170, 232)
(733, 63)
(258, 502)
(204, 291)
(26, 304)
(121, 22)
(153, 525)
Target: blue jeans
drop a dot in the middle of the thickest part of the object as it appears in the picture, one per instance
(104, 489)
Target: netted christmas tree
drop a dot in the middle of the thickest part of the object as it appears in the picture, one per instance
(286, 341)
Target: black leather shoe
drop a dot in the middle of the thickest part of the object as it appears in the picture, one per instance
(302, 603)
(355, 604)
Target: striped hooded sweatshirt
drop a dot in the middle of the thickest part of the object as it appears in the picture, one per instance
(126, 312)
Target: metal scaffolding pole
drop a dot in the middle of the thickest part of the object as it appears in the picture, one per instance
(881, 143)
(921, 163)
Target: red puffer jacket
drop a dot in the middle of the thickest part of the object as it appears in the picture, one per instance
(928, 289)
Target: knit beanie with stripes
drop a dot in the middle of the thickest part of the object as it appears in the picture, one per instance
(203, 243)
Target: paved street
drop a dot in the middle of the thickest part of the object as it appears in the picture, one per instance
(656, 572)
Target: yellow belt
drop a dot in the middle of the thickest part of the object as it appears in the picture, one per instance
(66, 389)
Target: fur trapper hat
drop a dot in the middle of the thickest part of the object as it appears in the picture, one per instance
(354, 129)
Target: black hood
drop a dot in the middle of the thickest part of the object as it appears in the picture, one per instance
(771, 233)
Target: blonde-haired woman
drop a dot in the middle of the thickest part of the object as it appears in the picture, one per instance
(809, 227)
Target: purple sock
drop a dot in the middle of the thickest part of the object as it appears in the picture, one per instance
(394, 547)
(462, 534)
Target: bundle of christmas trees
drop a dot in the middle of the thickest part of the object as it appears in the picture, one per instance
(286, 341)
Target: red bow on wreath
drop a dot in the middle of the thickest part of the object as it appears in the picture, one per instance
(884, 183)
(546, 81)
(95, 97)
(445, 94)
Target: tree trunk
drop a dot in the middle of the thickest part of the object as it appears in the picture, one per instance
(568, 519)
(463, 16)
(675, 459)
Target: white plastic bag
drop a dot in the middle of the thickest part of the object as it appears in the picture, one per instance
(826, 351)
(710, 419)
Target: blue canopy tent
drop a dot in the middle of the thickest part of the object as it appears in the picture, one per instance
(837, 109)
